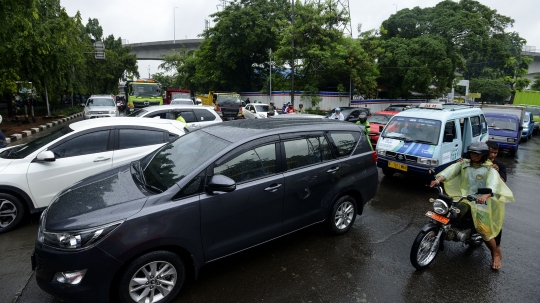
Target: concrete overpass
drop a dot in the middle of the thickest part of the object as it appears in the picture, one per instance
(157, 50)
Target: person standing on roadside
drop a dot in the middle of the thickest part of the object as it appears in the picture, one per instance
(301, 109)
(272, 106)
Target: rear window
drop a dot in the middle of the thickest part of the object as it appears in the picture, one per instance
(204, 115)
(101, 102)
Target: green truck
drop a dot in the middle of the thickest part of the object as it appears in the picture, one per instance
(142, 93)
(531, 101)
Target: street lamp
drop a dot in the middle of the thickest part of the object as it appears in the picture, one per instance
(174, 21)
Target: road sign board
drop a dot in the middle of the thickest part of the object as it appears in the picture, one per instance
(475, 95)
(99, 46)
(99, 55)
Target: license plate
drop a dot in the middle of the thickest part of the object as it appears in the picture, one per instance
(399, 166)
(437, 217)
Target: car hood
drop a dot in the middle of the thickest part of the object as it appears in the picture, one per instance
(4, 163)
(97, 200)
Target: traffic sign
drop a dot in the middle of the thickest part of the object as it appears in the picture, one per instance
(99, 55)
(99, 46)
(475, 95)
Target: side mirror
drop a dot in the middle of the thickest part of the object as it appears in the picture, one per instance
(46, 156)
(221, 183)
(484, 191)
(448, 138)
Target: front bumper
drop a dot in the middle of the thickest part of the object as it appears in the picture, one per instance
(143, 104)
(413, 170)
(95, 285)
(508, 146)
(93, 116)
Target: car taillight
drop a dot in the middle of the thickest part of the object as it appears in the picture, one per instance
(374, 155)
(218, 111)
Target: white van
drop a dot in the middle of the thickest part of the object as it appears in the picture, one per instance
(432, 136)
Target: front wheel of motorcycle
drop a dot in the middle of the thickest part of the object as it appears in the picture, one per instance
(425, 248)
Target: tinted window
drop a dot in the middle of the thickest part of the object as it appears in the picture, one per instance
(344, 142)
(261, 108)
(189, 116)
(204, 115)
(91, 143)
(255, 163)
(130, 138)
(195, 186)
(101, 102)
(161, 114)
(476, 127)
(484, 124)
(24, 150)
(450, 129)
(302, 152)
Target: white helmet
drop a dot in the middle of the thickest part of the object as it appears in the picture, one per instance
(0, 118)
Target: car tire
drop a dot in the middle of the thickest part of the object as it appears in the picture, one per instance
(144, 276)
(342, 215)
(11, 212)
(388, 172)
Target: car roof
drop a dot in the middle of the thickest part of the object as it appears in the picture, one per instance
(298, 116)
(175, 106)
(440, 114)
(248, 129)
(181, 99)
(100, 96)
(134, 121)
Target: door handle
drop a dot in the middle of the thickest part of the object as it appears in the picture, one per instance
(273, 187)
(333, 170)
(101, 159)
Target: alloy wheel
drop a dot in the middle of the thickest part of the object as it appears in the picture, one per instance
(153, 282)
(8, 213)
(344, 215)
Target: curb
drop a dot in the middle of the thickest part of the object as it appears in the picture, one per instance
(31, 131)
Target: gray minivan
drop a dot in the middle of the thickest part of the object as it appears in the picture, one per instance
(135, 232)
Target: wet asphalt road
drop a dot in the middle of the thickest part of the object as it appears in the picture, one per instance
(368, 264)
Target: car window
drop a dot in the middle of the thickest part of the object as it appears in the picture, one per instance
(21, 151)
(450, 129)
(130, 138)
(194, 187)
(344, 142)
(476, 127)
(355, 114)
(204, 115)
(91, 143)
(307, 151)
(189, 116)
(252, 164)
(101, 102)
(161, 114)
(484, 124)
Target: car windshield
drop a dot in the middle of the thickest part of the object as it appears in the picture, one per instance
(261, 108)
(345, 112)
(184, 102)
(411, 129)
(229, 100)
(152, 90)
(378, 118)
(100, 102)
(501, 123)
(138, 113)
(396, 108)
(534, 110)
(172, 162)
(21, 151)
(180, 96)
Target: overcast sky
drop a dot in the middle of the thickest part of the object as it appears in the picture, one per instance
(146, 21)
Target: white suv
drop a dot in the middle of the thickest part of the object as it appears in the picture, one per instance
(196, 116)
(100, 106)
(32, 174)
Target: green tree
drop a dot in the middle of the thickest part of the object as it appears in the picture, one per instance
(184, 64)
(233, 51)
(536, 83)
(492, 90)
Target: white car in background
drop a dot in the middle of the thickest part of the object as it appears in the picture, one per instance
(100, 106)
(32, 174)
(196, 116)
(182, 102)
(256, 111)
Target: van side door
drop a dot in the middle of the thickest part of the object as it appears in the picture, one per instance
(451, 144)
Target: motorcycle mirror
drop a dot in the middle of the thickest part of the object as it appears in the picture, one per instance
(484, 191)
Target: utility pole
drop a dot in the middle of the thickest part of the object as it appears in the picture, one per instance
(149, 71)
(270, 91)
(292, 61)
(174, 21)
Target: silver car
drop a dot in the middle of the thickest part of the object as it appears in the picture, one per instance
(196, 116)
(100, 106)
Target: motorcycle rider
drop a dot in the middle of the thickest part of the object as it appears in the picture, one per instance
(467, 177)
(290, 109)
(363, 121)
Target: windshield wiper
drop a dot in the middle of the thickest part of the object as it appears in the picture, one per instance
(395, 137)
(422, 141)
(136, 165)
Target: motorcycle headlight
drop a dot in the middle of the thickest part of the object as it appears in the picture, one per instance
(440, 207)
(76, 240)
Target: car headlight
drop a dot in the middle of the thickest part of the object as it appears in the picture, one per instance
(511, 140)
(41, 228)
(526, 127)
(381, 152)
(75, 240)
(428, 161)
(112, 112)
(440, 207)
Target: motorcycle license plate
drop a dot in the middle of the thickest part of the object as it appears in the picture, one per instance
(399, 166)
(437, 217)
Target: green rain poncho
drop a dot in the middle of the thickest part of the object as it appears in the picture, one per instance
(462, 179)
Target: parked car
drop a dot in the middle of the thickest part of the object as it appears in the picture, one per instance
(397, 107)
(137, 232)
(299, 116)
(100, 106)
(377, 122)
(527, 126)
(535, 111)
(182, 102)
(196, 116)
(351, 114)
(32, 174)
(256, 111)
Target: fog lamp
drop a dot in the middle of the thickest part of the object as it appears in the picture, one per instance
(70, 277)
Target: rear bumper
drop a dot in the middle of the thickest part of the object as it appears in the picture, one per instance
(508, 146)
(93, 116)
